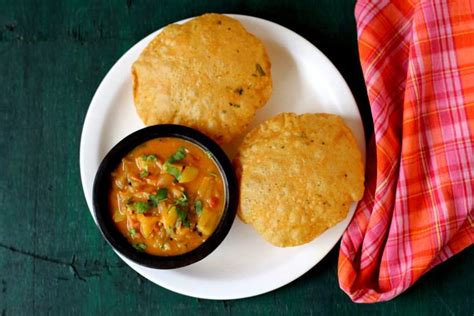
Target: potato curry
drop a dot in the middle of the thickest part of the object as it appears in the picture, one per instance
(167, 196)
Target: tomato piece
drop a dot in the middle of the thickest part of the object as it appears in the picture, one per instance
(213, 201)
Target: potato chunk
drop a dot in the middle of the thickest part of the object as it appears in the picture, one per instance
(207, 222)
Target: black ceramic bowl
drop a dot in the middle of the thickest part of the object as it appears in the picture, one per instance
(102, 184)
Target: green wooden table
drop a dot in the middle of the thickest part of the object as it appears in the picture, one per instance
(53, 55)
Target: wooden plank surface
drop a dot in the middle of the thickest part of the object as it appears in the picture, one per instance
(53, 55)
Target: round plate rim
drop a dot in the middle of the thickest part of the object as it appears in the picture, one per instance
(88, 120)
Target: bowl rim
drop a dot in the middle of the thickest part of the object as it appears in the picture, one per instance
(102, 184)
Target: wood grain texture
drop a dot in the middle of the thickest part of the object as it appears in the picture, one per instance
(53, 55)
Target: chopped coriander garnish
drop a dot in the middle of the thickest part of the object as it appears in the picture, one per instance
(260, 70)
(235, 105)
(154, 199)
(186, 222)
(141, 207)
(132, 232)
(181, 213)
(183, 216)
(172, 170)
(209, 154)
(144, 173)
(161, 194)
(177, 156)
(151, 157)
(139, 246)
(198, 207)
(183, 200)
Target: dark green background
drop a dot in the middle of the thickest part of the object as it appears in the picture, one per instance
(53, 54)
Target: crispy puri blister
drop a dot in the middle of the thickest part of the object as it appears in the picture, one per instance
(209, 74)
(298, 176)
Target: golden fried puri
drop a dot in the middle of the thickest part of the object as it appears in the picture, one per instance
(298, 176)
(208, 73)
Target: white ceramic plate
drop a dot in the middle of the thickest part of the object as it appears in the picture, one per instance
(244, 265)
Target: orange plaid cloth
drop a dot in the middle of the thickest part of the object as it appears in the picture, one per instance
(417, 211)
